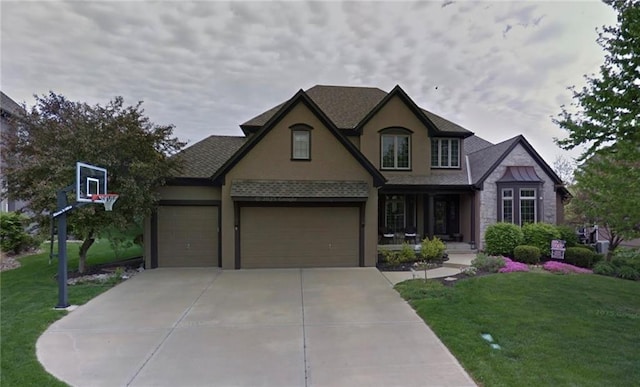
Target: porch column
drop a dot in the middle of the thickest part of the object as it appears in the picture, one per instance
(430, 215)
(473, 220)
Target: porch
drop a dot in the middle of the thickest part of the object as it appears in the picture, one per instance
(412, 216)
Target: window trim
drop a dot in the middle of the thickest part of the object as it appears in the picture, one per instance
(298, 128)
(449, 141)
(395, 135)
(533, 198)
(517, 187)
(503, 201)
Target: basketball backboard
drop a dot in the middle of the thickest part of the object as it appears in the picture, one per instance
(90, 180)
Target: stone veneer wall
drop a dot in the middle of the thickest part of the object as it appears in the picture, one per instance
(489, 199)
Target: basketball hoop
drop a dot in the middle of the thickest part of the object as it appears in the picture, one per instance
(107, 199)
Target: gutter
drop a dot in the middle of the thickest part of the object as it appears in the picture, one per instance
(466, 158)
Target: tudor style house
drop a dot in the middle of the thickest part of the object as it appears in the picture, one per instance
(323, 178)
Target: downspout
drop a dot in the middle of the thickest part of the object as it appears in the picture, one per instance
(472, 242)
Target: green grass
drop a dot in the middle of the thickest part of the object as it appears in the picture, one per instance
(554, 330)
(28, 295)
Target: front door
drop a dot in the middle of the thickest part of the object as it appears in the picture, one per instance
(446, 215)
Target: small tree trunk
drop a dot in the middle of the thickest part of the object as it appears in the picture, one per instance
(82, 258)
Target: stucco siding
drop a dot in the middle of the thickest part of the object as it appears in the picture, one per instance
(547, 202)
(170, 192)
(396, 114)
(270, 159)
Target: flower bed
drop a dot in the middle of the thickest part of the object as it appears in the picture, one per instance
(512, 266)
(559, 267)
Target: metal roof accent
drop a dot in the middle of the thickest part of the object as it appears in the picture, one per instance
(520, 174)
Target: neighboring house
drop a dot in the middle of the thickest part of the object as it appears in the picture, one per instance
(317, 180)
(8, 109)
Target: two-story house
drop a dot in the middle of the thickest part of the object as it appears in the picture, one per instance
(319, 179)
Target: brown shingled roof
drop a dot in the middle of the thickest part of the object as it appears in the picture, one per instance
(204, 158)
(346, 106)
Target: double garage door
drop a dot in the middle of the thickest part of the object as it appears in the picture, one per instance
(299, 236)
(270, 237)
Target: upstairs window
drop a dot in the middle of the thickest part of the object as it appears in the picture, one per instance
(445, 153)
(395, 151)
(301, 142)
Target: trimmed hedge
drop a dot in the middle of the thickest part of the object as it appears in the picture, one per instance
(540, 235)
(580, 256)
(527, 254)
(502, 238)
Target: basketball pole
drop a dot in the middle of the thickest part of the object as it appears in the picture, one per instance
(63, 208)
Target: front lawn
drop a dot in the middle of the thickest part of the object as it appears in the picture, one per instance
(28, 295)
(554, 330)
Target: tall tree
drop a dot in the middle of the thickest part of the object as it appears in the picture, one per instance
(49, 139)
(605, 118)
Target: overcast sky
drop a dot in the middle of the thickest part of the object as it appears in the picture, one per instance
(497, 68)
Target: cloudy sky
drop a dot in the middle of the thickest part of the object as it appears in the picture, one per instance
(497, 68)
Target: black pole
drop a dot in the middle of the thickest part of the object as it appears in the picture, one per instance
(63, 301)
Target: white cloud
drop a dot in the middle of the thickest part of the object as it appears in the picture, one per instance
(500, 68)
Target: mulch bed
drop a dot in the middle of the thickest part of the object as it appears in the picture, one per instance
(107, 268)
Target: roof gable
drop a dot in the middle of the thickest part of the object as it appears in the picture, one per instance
(398, 92)
(299, 97)
(486, 160)
(351, 107)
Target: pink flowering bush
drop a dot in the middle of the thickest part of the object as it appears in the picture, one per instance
(559, 267)
(512, 266)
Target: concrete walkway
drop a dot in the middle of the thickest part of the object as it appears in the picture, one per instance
(206, 327)
(453, 266)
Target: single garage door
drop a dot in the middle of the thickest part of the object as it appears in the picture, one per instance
(187, 236)
(299, 236)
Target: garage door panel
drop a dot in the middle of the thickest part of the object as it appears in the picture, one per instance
(299, 236)
(187, 236)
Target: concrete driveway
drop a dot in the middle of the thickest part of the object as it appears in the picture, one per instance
(289, 327)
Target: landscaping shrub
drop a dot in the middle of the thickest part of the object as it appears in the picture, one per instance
(580, 256)
(407, 254)
(540, 235)
(627, 257)
(502, 238)
(559, 267)
(629, 273)
(13, 237)
(488, 263)
(511, 266)
(469, 271)
(526, 254)
(604, 268)
(568, 234)
(432, 249)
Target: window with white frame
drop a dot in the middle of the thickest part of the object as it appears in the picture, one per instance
(507, 205)
(528, 210)
(445, 153)
(395, 151)
(301, 144)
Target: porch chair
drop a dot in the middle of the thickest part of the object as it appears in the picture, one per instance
(410, 234)
(387, 236)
